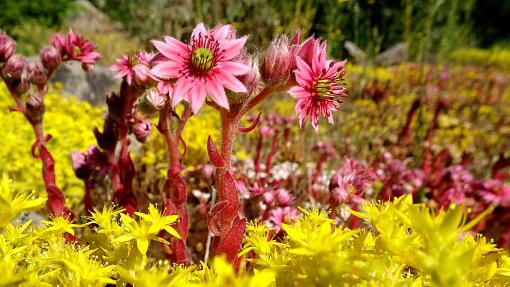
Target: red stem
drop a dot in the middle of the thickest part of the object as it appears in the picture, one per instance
(174, 189)
(56, 199)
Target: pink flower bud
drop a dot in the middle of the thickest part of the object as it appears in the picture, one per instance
(80, 166)
(36, 74)
(142, 130)
(35, 107)
(15, 67)
(21, 86)
(251, 79)
(7, 47)
(276, 67)
(50, 57)
(151, 102)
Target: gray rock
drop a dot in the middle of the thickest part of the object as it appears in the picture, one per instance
(356, 52)
(92, 86)
(394, 55)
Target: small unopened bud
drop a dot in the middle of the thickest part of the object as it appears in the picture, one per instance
(36, 74)
(87, 67)
(50, 57)
(142, 130)
(80, 167)
(7, 47)
(276, 67)
(21, 86)
(35, 107)
(251, 80)
(151, 102)
(15, 67)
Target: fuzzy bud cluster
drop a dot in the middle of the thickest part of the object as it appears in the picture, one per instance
(280, 60)
(7, 47)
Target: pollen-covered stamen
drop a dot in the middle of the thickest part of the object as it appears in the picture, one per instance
(202, 60)
(323, 88)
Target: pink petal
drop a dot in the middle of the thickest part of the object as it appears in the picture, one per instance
(197, 97)
(216, 92)
(199, 30)
(298, 92)
(170, 51)
(221, 32)
(178, 44)
(233, 47)
(230, 82)
(181, 89)
(234, 68)
(166, 70)
(304, 68)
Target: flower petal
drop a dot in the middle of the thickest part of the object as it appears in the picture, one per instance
(199, 30)
(230, 82)
(216, 92)
(298, 92)
(234, 68)
(167, 70)
(169, 50)
(221, 32)
(182, 86)
(233, 47)
(197, 97)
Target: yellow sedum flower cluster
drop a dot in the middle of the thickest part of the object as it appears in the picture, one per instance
(400, 244)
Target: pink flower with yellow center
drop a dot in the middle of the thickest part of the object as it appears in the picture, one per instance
(77, 48)
(135, 67)
(204, 67)
(320, 90)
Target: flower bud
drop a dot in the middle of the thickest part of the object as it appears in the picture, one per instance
(276, 67)
(50, 57)
(142, 130)
(251, 79)
(7, 47)
(15, 67)
(151, 102)
(80, 166)
(87, 67)
(35, 107)
(36, 74)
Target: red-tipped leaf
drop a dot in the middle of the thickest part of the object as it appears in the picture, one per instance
(213, 153)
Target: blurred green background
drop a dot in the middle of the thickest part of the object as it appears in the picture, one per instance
(431, 28)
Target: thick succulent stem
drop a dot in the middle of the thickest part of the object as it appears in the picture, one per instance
(56, 200)
(174, 189)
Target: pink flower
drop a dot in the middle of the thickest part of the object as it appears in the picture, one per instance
(319, 90)
(77, 48)
(134, 67)
(205, 66)
(282, 215)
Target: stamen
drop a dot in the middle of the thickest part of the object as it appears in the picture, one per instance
(202, 60)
